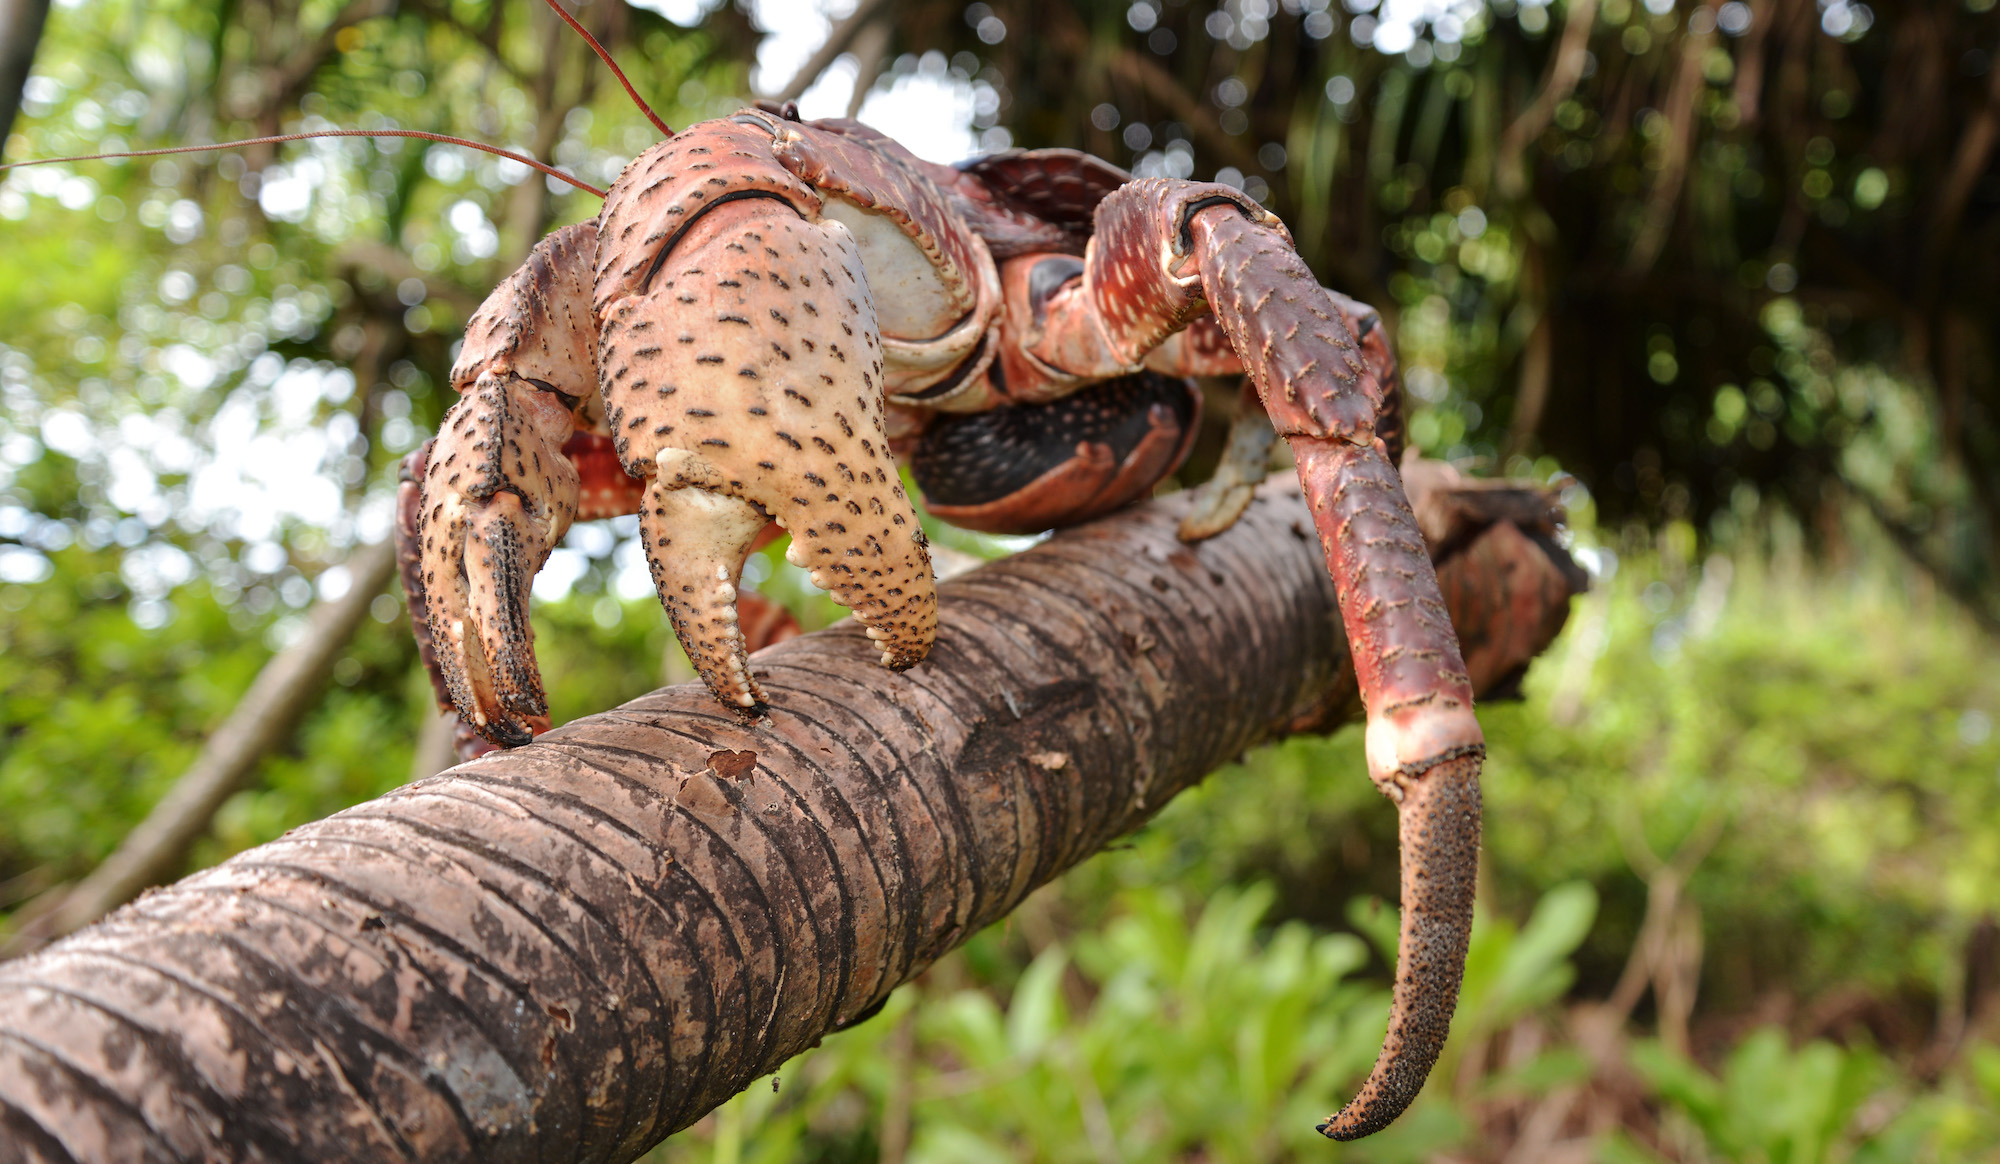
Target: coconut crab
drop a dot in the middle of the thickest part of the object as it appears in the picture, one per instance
(770, 314)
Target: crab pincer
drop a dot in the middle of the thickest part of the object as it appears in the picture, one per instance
(743, 383)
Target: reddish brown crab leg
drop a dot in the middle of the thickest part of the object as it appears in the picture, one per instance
(1424, 745)
(1164, 253)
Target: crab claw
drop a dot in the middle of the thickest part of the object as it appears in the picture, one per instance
(742, 379)
(498, 496)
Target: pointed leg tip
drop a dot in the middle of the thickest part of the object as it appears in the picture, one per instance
(1215, 510)
(507, 735)
(1357, 1121)
(526, 704)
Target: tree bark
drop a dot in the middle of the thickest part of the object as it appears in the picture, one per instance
(837, 41)
(21, 24)
(577, 947)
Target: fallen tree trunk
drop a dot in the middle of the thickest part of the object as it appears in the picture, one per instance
(573, 949)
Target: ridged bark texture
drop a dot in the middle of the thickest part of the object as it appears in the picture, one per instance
(567, 951)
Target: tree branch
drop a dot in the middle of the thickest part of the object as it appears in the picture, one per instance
(20, 32)
(583, 945)
(1132, 69)
(837, 41)
(1665, 195)
(1968, 162)
(1565, 70)
(1973, 600)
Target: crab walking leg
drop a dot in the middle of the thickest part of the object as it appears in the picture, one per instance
(1246, 461)
(1424, 744)
(1166, 252)
(1221, 499)
(1424, 752)
(743, 380)
(696, 542)
(499, 491)
(498, 496)
(410, 566)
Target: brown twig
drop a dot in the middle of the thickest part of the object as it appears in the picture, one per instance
(837, 42)
(1660, 957)
(1658, 219)
(1749, 88)
(1972, 599)
(1128, 67)
(871, 51)
(21, 24)
(1968, 162)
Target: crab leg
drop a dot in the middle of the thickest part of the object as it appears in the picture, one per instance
(1246, 461)
(498, 489)
(1166, 252)
(1424, 744)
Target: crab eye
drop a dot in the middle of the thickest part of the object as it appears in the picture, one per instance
(569, 402)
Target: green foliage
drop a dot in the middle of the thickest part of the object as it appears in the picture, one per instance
(1776, 1104)
(1769, 1102)
(1168, 1034)
(1173, 1034)
(98, 715)
(1838, 732)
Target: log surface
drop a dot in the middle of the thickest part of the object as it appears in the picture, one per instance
(568, 951)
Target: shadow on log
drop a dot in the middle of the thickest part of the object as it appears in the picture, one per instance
(571, 950)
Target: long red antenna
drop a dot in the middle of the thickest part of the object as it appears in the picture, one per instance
(510, 155)
(604, 55)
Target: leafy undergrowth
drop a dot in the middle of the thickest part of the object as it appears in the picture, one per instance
(1204, 1034)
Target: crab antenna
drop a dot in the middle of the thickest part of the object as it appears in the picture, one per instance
(510, 155)
(604, 55)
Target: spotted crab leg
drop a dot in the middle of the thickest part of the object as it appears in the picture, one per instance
(498, 489)
(742, 379)
(1166, 252)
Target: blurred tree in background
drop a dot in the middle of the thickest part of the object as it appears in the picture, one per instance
(1730, 266)
(1694, 253)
